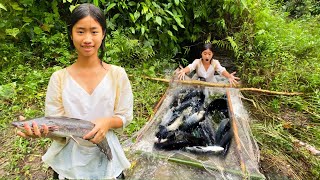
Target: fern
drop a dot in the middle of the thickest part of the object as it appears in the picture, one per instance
(128, 51)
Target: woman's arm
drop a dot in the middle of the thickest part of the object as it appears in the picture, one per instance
(232, 79)
(188, 69)
(183, 72)
(102, 126)
(222, 71)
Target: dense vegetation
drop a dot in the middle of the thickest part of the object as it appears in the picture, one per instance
(275, 44)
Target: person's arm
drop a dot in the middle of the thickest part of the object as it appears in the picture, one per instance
(232, 79)
(123, 111)
(188, 69)
(102, 126)
(183, 72)
(222, 71)
(53, 107)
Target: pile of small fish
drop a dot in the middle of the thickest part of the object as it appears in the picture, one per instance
(192, 125)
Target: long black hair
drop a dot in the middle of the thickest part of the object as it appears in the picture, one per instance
(82, 11)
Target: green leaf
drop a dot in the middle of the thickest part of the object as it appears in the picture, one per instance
(144, 9)
(179, 23)
(13, 32)
(111, 6)
(37, 30)
(115, 16)
(133, 31)
(71, 8)
(27, 19)
(158, 20)
(143, 29)
(176, 2)
(3, 7)
(148, 16)
(132, 17)
(96, 3)
(170, 33)
(16, 6)
(132, 3)
(169, 12)
(136, 15)
(175, 27)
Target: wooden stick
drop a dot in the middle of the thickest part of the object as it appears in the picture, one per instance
(236, 135)
(190, 82)
(209, 84)
(271, 92)
(309, 147)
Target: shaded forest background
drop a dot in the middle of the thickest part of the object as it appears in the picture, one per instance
(274, 44)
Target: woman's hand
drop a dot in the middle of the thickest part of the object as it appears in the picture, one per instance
(181, 74)
(34, 132)
(98, 133)
(233, 79)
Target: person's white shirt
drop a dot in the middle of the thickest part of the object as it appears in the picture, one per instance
(112, 97)
(209, 73)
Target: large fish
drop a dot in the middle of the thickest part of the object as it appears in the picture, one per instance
(192, 120)
(66, 127)
(179, 140)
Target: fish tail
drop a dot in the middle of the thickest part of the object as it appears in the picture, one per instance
(105, 148)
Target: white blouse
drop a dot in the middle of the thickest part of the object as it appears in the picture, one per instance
(209, 73)
(112, 97)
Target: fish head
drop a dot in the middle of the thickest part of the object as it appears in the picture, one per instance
(21, 124)
(18, 124)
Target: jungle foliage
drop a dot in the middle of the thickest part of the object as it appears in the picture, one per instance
(275, 44)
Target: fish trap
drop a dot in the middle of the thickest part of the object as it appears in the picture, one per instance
(182, 139)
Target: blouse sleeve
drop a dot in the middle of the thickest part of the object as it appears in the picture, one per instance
(218, 67)
(53, 102)
(124, 99)
(194, 64)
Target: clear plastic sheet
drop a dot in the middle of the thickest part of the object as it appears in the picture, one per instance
(241, 161)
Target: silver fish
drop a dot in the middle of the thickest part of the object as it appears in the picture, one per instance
(205, 149)
(66, 127)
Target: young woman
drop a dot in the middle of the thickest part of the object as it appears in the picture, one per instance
(206, 66)
(91, 90)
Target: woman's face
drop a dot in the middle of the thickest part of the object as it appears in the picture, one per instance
(87, 35)
(207, 55)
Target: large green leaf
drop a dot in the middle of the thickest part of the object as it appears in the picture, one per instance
(3, 7)
(111, 6)
(16, 6)
(96, 3)
(136, 15)
(158, 20)
(148, 16)
(12, 32)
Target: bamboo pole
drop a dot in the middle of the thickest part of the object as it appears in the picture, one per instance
(198, 164)
(236, 135)
(209, 84)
